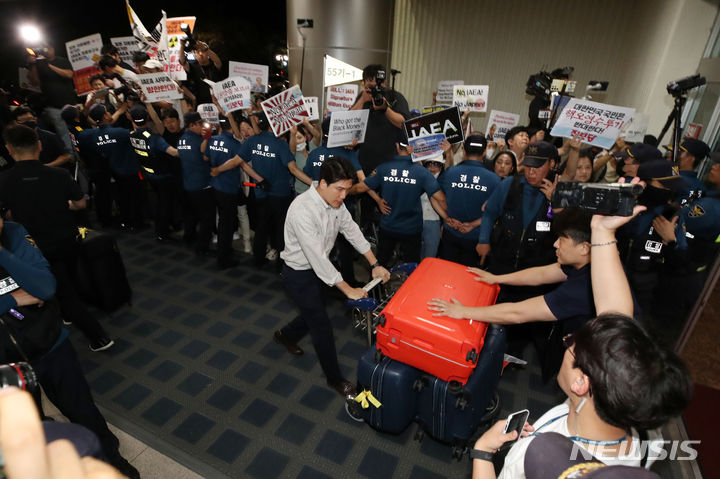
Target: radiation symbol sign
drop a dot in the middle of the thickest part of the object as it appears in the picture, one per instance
(172, 42)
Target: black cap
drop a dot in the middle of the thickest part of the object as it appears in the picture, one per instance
(97, 112)
(698, 149)
(139, 114)
(475, 144)
(69, 113)
(551, 456)
(402, 138)
(663, 171)
(191, 117)
(642, 152)
(538, 153)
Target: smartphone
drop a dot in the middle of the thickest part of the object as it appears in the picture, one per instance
(516, 422)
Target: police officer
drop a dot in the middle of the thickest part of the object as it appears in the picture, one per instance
(200, 214)
(467, 186)
(221, 149)
(692, 152)
(402, 182)
(38, 196)
(270, 157)
(516, 225)
(113, 144)
(152, 153)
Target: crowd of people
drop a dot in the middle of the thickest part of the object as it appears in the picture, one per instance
(484, 203)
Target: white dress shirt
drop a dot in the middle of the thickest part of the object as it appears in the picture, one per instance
(311, 227)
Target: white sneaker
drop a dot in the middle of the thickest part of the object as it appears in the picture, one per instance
(272, 255)
(236, 236)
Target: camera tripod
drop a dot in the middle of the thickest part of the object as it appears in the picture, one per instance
(675, 117)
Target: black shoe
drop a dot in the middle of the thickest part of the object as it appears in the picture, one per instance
(101, 344)
(292, 348)
(228, 263)
(344, 388)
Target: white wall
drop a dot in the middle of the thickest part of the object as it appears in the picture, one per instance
(638, 46)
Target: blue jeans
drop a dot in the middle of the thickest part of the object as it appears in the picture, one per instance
(430, 238)
(53, 115)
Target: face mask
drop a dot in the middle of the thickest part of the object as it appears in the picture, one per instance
(300, 146)
(489, 153)
(653, 196)
(30, 124)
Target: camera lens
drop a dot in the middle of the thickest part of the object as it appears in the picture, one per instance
(20, 375)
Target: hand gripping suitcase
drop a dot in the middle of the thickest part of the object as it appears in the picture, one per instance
(102, 280)
(445, 347)
(393, 385)
(453, 414)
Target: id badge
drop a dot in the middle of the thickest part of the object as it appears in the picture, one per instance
(542, 226)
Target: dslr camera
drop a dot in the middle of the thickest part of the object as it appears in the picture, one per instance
(683, 85)
(190, 40)
(20, 375)
(617, 199)
(378, 91)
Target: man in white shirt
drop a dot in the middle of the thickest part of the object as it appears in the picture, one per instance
(313, 222)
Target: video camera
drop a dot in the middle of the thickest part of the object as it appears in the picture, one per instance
(599, 198)
(190, 40)
(538, 85)
(378, 91)
(678, 87)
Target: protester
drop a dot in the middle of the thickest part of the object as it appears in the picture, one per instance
(504, 164)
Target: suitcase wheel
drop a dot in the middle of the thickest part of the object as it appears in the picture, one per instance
(472, 356)
(378, 356)
(454, 387)
(381, 320)
(419, 435)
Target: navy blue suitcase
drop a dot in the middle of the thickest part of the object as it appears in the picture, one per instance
(394, 385)
(452, 413)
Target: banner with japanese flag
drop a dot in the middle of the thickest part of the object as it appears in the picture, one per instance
(285, 110)
(155, 44)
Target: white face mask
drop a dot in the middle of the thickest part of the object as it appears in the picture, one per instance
(300, 146)
(489, 153)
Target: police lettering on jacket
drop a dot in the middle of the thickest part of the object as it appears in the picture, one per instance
(394, 178)
(219, 146)
(261, 150)
(105, 140)
(183, 145)
(463, 183)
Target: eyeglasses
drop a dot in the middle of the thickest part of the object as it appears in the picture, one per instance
(428, 164)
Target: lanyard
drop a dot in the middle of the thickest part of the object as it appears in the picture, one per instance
(582, 439)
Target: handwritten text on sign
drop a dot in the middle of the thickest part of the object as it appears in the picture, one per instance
(285, 110)
(593, 123)
(158, 87)
(471, 97)
(232, 94)
(346, 126)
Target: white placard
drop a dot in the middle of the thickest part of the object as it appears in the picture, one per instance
(338, 72)
(499, 123)
(158, 87)
(345, 126)
(126, 47)
(311, 104)
(174, 37)
(285, 110)
(342, 97)
(209, 113)
(84, 52)
(471, 97)
(593, 123)
(634, 132)
(232, 94)
(445, 90)
(256, 75)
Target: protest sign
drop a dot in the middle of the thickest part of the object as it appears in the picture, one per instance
(499, 123)
(471, 97)
(427, 148)
(593, 123)
(341, 98)
(634, 131)
(256, 75)
(311, 104)
(232, 94)
(126, 47)
(174, 37)
(432, 108)
(338, 72)
(693, 130)
(81, 80)
(346, 126)
(445, 90)
(84, 52)
(446, 122)
(158, 87)
(209, 113)
(285, 110)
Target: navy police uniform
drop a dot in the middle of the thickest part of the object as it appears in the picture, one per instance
(402, 182)
(200, 215)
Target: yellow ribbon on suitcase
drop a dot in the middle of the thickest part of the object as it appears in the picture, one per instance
(366, 396)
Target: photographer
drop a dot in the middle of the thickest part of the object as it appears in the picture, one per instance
(617, 379)
(111, 68)
(207, 65)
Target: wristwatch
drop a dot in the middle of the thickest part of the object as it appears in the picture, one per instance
(484, 455)
(375, 265)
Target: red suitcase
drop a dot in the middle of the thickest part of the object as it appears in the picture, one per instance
(444, 347)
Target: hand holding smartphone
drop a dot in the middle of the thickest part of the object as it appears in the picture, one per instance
(516, 422)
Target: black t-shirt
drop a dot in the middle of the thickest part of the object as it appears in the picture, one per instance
(59, 91)
(197, 74)
(572, 301)
(38, 197)
(52, 147)
(381, 135)
(173, 138)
